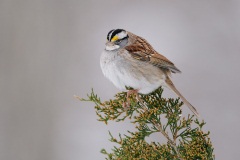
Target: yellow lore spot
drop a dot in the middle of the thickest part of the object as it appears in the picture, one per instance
(114, 38)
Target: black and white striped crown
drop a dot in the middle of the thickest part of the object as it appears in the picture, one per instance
(116, 34)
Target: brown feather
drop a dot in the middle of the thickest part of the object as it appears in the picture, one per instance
(140, 49)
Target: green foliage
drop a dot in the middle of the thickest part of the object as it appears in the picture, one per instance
(153, 114)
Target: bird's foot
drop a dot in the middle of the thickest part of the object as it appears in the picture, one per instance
(126, 104)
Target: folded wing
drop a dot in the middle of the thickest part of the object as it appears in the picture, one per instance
(143, 51)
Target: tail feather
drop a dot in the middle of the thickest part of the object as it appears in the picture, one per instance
(171, 85)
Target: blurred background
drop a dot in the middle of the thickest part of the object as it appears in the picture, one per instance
(50, 50)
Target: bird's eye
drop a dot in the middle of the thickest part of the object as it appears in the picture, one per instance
(118, 41)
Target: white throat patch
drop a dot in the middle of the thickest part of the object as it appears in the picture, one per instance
(110, 48)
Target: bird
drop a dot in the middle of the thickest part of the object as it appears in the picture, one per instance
(129, 60)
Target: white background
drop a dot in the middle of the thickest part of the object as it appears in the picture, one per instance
(50, 49)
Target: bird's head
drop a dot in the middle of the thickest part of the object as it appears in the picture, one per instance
(116, 38)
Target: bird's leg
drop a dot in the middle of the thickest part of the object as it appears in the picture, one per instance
(134, 91)
(126, 105)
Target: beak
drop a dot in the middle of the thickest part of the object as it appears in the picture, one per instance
(111, 46)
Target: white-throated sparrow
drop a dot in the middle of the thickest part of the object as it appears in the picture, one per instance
(129, 60)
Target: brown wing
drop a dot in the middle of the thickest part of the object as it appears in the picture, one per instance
(143, 51)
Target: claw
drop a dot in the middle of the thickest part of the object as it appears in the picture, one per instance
(126, 105)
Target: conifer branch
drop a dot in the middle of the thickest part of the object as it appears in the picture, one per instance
(151, 114)
(160, 129)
